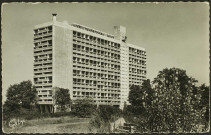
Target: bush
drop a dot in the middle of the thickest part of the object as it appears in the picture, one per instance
(30, 114)
(96, 123)
(133, 110)
(103, 117)
(60, 114)
(83, 107)
(108, 113)
(22, 113)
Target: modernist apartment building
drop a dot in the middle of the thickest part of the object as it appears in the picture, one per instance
(88, 62)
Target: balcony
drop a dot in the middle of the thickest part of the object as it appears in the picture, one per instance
(47, 70)
(37, 36)
(46, 75)
(42, 53)
(45, 97)
(47, 34)
(36, 49)
(38, 84)
(40, 40)
(47, 48)
(42, 30)
(47, 84)
(46, 66)
(38, 71)
(37, 63)
(79, 85)
(40, 89)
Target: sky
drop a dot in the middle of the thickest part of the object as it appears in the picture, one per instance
(173, 34)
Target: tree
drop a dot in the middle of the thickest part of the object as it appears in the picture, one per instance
(20, 95)
(62, 98)
(135, 95)
(21, 98)
(144, 121)
(148, 93)
(84, 107)
(173, 108)
(140, 97)
(136, 98)
(204, 103)
(139, 111)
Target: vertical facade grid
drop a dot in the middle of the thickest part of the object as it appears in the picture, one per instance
(96, 69)
(43, 63)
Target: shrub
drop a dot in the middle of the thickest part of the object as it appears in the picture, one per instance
(108, 113)
(59, 114)
(83, 107)
(103, 117)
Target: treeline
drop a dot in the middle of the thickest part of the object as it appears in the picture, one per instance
(171, 103)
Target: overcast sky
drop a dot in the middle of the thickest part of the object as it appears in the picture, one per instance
(174, 34)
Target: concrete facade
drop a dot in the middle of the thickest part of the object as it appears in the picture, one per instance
(62, 58)
(88, 62)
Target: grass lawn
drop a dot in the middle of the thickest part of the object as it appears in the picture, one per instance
(64, 124)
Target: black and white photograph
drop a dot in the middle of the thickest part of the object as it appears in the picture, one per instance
(132, 67)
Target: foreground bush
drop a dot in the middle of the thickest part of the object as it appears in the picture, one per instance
(60, 114)
(83, 107)
(103, 116)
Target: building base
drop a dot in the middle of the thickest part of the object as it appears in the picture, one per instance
(46, 108)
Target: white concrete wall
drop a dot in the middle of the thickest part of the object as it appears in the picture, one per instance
(124, 74)
(62, 58)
